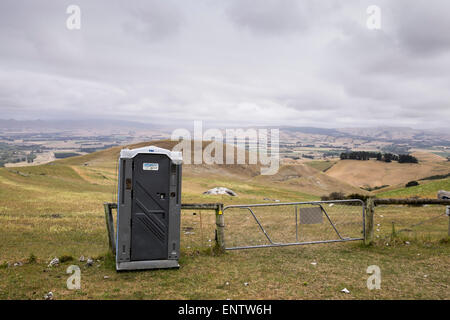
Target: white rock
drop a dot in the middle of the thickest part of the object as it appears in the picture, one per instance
(314, 263)
(106, 277)
(331, 204)
(89, 262)
(82, 259)
(18, 264)
(54, 262)
(246, 284)
(345, 290)
(48, 296)
(407, 243)
(442, 194)
(220, 190)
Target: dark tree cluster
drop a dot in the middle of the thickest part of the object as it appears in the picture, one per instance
(359, 155)
(386, 157)
(389, 157)
(406, 158)
(411, 184)
(342, 196)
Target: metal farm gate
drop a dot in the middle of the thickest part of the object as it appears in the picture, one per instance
(294, 223)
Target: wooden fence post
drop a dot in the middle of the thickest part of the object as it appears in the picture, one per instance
(220, 225)
(449, 225)
(370, 208)
(447, 212)
(110, 228)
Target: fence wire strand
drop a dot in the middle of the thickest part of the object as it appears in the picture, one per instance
(197, 230)
(410, 222)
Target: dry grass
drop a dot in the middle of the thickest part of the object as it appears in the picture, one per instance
(426, 189)
(56, 210)
(321, 165)
(374, 173)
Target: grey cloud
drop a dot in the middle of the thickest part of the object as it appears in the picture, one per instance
(422, 26)
(268, 17)
(236, 62)
(152, 20)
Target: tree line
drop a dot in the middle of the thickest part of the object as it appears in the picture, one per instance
(386, 157)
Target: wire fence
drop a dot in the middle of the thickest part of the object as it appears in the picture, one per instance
(203, 226)
(197, 230)
(410, 222)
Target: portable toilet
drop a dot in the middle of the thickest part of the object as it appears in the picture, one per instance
(148, 209)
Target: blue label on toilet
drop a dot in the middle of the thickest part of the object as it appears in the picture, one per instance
(150, 166)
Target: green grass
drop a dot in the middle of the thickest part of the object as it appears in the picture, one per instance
(424, 190)
(55, 210)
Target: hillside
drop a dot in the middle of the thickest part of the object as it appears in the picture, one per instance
(426, 189)
(372, 173)
(347, 176)
(298, 178)
(56, 210)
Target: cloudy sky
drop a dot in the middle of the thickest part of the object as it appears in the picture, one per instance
(228, 62)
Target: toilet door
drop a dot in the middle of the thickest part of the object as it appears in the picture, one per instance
(150, 207)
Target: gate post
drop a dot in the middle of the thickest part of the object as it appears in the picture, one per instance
(447, 212)
(368, 237)
(220, 225)
(110, 227)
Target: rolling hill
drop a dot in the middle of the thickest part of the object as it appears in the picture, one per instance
(293, 177)
(426, 189)
(372, 173)
(295, 181)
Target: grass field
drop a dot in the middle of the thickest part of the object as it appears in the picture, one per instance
(426, 189)
(55, 210)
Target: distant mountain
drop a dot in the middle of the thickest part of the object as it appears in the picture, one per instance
(313, 130)
(393, 135)
(401, 135)
(389, 133)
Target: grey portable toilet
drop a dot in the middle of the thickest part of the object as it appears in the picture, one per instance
(148, 209)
